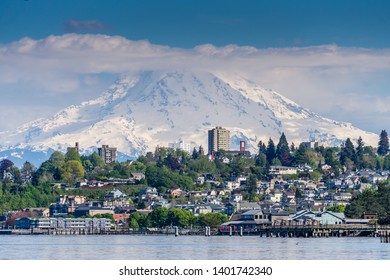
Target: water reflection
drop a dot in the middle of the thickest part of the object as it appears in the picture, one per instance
(168, 247)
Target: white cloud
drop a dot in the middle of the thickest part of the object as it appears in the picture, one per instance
(321, 78)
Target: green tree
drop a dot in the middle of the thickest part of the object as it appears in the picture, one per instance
(202, 165)
(179, 217)
(56, 160)
(74, 170)
(337, 208)
(283, 151)
(360, 154)
(28, 169)
(386, 162)
(211, 219)
(348, 155)
(96, 160)
(72, 154)
(367, 201)
(195, 154)
(301, 155)
(383, 145)
(133, 224)
(262, 147)
(159, 217)
(271, 152)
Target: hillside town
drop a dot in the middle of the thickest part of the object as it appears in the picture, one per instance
(179, 187)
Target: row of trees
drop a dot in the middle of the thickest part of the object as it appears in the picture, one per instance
(347, 156)
(162, 217)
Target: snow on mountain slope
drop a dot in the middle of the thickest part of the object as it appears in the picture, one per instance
(158, 107)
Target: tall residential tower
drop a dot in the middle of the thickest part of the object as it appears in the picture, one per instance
(219, 139)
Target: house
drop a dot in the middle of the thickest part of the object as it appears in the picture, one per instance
(282, 170)
(121, 219)
(148, 193)
(342, 196)
(197, 209)
(278, 216)
(58, 209)
(305, 168)
(275, 196)
(323, 218)
(177, 192)
(248, 221)
(38, 212)
(236, 197)
(200, 180)
(376, 178)
(90, 210)
(370, 216)
(138, 176)
(114, 194)
(231, 185)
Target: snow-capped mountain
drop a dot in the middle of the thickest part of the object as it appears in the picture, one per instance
(154, 108)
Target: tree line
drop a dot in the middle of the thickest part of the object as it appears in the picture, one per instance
(162, 217)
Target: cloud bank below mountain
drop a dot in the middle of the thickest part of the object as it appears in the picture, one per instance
(43, 76)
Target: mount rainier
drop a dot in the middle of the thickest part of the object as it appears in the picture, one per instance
(153, 108)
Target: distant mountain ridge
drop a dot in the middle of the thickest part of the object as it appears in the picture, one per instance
(152, 108)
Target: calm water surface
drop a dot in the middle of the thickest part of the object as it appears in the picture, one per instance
(169, 247)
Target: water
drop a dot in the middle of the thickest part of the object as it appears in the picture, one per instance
(169, 247)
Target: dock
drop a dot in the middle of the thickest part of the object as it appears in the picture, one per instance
(340, 230)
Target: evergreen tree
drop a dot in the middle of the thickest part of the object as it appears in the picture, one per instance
(360, 154)
(271, 153)
(301, 155)
(383, 145)
(261, 160)
(195, 154)
(283, 151)
(348, 154)
(201, 151)
(262, 147)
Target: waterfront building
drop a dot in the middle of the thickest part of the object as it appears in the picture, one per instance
(218, 139)
(321, 217)
(64, 223)
(248, 221)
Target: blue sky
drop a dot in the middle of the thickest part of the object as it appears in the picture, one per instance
(332, 57)
(185, 24)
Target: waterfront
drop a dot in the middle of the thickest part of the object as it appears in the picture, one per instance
(169, 247)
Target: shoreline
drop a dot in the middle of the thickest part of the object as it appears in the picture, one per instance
(383, 232)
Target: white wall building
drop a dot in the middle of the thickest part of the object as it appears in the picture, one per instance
(181, 145)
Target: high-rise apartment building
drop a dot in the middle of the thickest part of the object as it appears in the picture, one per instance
(219, 139)
(108, 154)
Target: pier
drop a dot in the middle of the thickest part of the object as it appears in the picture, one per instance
(341, 230)
(305, 231)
